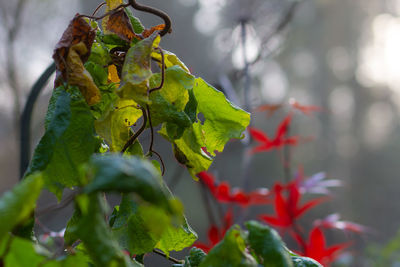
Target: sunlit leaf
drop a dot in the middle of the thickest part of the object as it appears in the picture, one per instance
(170, 60)
(223, 120)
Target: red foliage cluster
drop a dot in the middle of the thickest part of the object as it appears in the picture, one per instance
(285, 198)
(280, 139)
(224, 194)
(289, 210)
(215, 234)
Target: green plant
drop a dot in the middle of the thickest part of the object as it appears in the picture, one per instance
(105, 85)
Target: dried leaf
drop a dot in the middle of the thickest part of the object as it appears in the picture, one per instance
(147, 32)
(113, 74)
(120, 24)
(77, 31)
(79, 76)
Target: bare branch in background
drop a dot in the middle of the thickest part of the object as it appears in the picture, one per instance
(12, 28)
(280, 26)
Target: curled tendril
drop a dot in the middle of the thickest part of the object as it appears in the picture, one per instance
(154, 11)
(162, 72)
(133, 138)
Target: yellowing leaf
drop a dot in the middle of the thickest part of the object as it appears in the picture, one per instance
(113, 74)
(170, 59)
(115, 129)
(79, 76)
(136, 70)
(111, 4)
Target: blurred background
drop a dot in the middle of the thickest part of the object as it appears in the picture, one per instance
(340, 55)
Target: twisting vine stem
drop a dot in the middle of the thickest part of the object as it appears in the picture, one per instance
(162, 71)
(168, 257)
(154, 11)
(151, 151)
(139, 132)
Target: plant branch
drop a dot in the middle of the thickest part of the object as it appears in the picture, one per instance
(154, 11)
(280, 26)
(207, 203)
(162, 71)
(139, 132)
(168, 257)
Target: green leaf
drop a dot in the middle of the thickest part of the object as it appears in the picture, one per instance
(98, 73)
(106, 105)
(136, 70)
(22, 253)
(17, 205)
(78, 259)
(187, 150)
(99, 54)
(68, 142)
(138, 228)
(196, 256)
(115, 173)
(191, 107)
(168, 104)
(223, 120)
(95, 234)
(267, 244)
(136, 24)
(305, 262)
(231, 251)
(177, 237)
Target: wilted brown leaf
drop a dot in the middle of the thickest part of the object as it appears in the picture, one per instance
(77, 31)
(120, 24)
(79, 76)
(147, 32)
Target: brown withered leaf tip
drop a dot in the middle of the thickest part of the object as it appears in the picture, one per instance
(77, 31)
(147, 32)
(120, 24)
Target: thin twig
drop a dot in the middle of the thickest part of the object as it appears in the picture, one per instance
(287, 168)
(139, 132)
(207, 203)
(247, 157)
(151, 150)
(161, 160)
(162, 71)
(112, 11)
(168, 257)
(98, 7)
(151, 130)
(280, 26)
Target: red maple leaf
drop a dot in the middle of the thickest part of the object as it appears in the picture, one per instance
(215, 235)
(223, 193)
(280, 139)
(269, 108)
(316, 248)
(307, 110)
(289, 209)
